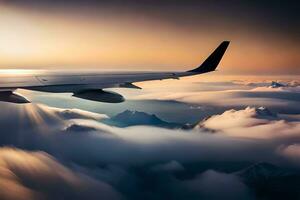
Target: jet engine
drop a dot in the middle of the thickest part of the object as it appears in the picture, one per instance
(10, 96)
(100, 95)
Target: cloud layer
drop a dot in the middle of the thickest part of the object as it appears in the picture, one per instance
(93, 160)
(54, 153)
(253, 123)
(37, 175)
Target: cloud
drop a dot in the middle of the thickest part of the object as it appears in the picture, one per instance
(140, 161)
(278, 89)
(37, 175)
(77, 113)
(93, 142)
(252, 123)
(228, 186)
(291, 152)
(144, 162)
(234, 94)
(171, 100)
(258, 96)
(170, 166)
(209, 184)
(90, 142)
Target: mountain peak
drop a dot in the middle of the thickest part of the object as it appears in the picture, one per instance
(275, 84)
(264, 112)
(133, 118)
(138, 116)
(260, 171)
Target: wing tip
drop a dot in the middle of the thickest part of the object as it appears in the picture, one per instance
(213, 60)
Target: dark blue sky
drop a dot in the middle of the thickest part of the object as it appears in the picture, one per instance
(277, 15)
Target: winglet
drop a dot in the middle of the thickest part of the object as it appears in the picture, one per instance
(211, 63)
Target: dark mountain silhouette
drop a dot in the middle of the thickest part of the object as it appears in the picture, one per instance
(264, 113)
(275, 84)
(133, 118)
(271, 182)
(261, 172)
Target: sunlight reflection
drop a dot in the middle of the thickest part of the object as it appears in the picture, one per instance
(38, 116)
(18, 71)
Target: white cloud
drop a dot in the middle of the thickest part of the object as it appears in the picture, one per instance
(252, 123)
(233, 94)
(70, 113)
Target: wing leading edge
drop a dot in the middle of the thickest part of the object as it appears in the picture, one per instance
(89, 86)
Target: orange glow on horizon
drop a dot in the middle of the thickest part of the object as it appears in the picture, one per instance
(48, 41)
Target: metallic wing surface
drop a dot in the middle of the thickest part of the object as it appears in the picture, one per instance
(90, 86)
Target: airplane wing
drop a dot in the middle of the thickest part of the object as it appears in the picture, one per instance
(89, 86)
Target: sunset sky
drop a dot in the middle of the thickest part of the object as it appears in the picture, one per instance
(231, 134)
(150, 35)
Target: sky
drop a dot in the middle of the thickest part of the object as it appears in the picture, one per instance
(150, 35)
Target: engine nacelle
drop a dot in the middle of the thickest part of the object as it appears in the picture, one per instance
(100, 95)
(9, 96)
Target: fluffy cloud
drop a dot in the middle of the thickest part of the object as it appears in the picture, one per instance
(37, 175)
(252, 123)
(77, 113)
(90, 142)
(137, 162)
(235, 94)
